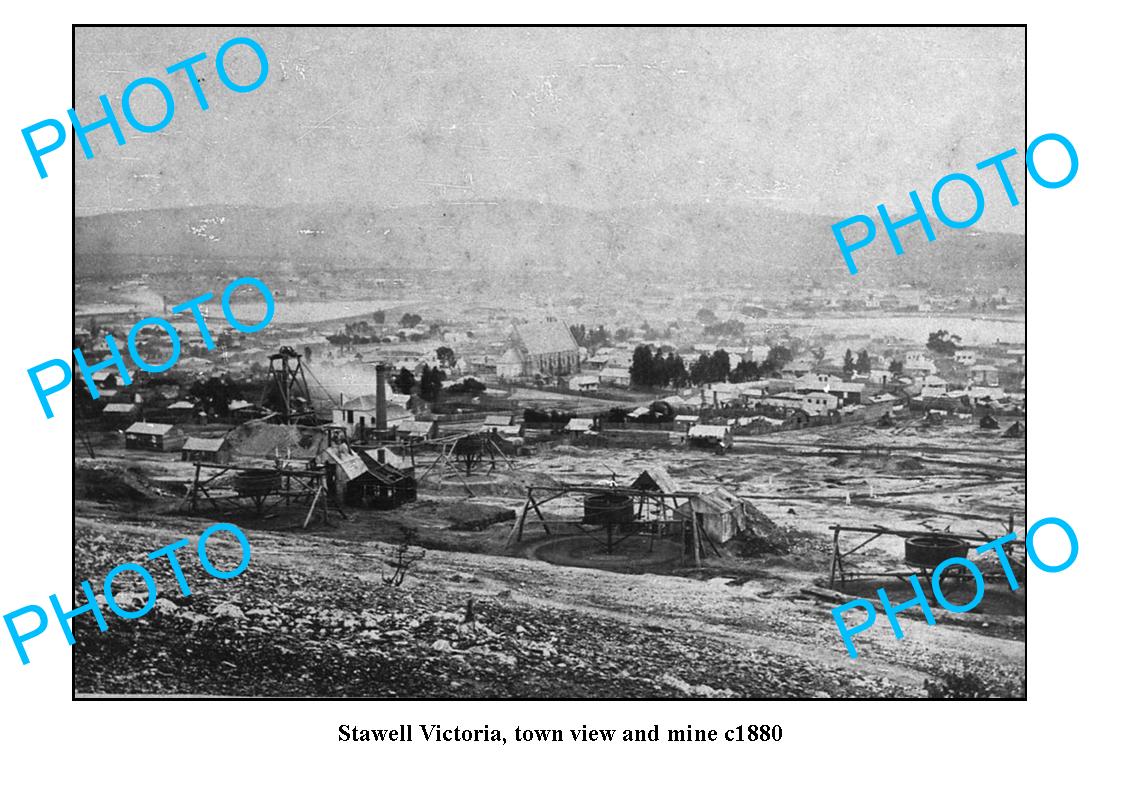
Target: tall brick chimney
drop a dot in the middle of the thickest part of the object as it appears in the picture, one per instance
(380, 396)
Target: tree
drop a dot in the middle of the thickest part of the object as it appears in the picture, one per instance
(942, 342)
(848, 362)
(778, 357)
(404, 382)
(706, 315)
(642, 370)
(446, 356)
(379, 317)
(745, 371)
(730, 328)
(863, 365)
(403, 557)
(469, 386)
(622, 334)
(214, 395)
(410, 319)
(431, 381)
(896, 367)
(708, 368)
(720, 363)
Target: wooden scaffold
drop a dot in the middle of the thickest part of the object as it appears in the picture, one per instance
(666, 516)
(459, 455)
(842, 573)
(261, 487)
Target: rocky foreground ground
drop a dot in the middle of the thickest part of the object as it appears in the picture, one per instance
(311, 616)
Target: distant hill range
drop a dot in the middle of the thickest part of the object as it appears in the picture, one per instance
(754, 245)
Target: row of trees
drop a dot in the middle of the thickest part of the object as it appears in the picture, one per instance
(651, 368)
(591, 339)
(860, 365)
(428, 386)
(594, 338)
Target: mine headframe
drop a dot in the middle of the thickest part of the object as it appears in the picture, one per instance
(287, 389)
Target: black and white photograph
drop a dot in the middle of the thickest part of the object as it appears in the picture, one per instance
(549, 363)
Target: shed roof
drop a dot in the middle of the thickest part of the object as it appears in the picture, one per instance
(349, 462)
(153, 429)
(705, 431)
(420, 427)
(203, 444)
(579, 424)
(123, 409)
(370, 455)
(655, 479)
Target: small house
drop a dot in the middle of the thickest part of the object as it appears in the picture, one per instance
(1016, 430)
(819, 403)
(365, 479)
(503, 425)
(118, 415)
(154, 437)
(683, 423)
(243, 410)
(798, 419)
(360, 414)
(985, 375)
(214, 451)
(616, 377)
(585, 382)
(989, 423)
(413, 430)
(181, 411)
(578, 426)
(708, 436)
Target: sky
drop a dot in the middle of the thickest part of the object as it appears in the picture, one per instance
(819, 120)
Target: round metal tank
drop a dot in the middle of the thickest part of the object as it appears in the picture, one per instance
(252, 483)
(930, 550)
(606, 508)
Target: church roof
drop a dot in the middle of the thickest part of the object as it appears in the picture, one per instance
(545, 337)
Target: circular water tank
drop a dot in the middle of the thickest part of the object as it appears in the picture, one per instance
(931, 549)
(252, 483)
(607, 508)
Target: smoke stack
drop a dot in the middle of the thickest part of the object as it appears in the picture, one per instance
(380, 397)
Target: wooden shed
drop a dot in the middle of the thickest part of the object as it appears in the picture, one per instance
(1016, 430)
(503, 425)
(154, 437)
(706, 436)
(655, 479)
(197, 449)
(578, 426)
(720, 514)
(416, 430)
(118, 415)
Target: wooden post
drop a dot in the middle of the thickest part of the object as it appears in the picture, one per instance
(534, 505)
(195, 488)
(312, 508)
(695, 542)
(834, 558)
(520, 521)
